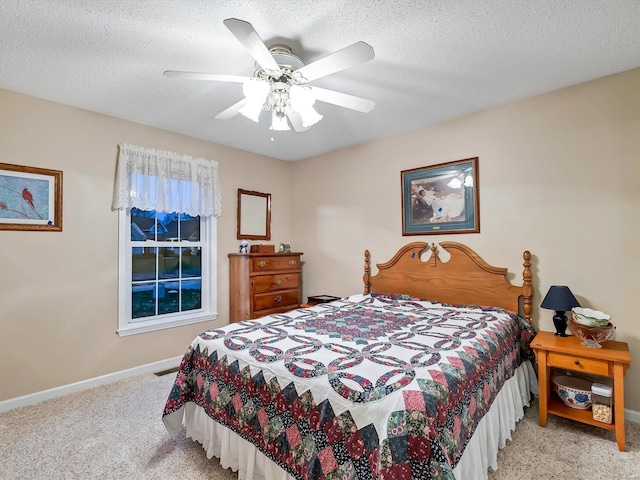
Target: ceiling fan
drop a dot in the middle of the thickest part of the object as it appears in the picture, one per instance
(281, 81)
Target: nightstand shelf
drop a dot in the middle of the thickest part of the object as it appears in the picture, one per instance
(557, 407)
(612, 360)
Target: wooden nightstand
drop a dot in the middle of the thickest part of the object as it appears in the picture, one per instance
(612, 360)
(318, 299)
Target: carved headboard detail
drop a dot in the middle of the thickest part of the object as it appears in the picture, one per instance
(464, 278)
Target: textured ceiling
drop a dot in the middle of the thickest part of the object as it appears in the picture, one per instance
(434, 60)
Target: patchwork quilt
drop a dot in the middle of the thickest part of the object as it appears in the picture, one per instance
(367, 387)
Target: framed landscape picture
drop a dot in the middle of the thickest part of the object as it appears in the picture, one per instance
(441, 198)
(30, 198)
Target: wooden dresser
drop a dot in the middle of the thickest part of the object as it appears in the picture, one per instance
(263, 283)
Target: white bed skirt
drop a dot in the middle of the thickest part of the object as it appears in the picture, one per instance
(481, 452)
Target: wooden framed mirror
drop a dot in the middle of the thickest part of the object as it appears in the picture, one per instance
(254, 215)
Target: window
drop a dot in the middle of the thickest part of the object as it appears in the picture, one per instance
(166, 265)
(167, 239)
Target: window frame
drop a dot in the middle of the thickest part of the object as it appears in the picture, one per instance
(208, 310)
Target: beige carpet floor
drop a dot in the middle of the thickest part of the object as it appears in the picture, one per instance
(115, 432)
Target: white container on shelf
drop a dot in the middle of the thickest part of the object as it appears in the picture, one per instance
(601, 403)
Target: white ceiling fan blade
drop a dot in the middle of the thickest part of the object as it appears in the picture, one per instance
(296, 120)
(343, 99)
(205, 76)
(232, 110)
(248, 37)
(359, 52)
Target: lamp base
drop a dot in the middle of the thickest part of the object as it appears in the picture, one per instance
(560, 322)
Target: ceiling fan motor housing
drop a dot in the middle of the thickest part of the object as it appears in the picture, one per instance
(284, 57)
(288, 63)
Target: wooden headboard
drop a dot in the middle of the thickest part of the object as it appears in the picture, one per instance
(464, 278)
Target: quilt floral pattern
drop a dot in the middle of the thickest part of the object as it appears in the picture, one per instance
(436, 368)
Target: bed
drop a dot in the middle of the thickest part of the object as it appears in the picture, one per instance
(423, 375)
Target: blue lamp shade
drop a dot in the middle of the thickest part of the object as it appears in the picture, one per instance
(560, 299)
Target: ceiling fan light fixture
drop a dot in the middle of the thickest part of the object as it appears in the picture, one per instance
(302, 101)
(255, 91)
(309, 116)
(279, 95)
(279, 121)
(301, 97)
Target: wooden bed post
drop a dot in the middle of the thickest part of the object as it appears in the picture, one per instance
(366, 278)
(526, 286)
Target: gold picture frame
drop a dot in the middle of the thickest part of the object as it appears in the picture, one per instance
(30, 198)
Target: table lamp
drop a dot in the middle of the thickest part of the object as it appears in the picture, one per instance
(560, 299)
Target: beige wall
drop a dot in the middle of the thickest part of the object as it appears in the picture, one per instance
(559, 176)
(58, 291)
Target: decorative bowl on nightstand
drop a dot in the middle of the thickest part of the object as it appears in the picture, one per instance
(590, 317)
(575, 392)
(592, 337)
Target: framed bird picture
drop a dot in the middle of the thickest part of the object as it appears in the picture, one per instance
(30, 198)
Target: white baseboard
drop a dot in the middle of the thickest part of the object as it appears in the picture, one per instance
(632, 415)
(38, 397)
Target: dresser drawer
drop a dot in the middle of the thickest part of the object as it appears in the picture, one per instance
(580, 364)
(264, 301)
(276, 262)
(271, 311)
(281, 281)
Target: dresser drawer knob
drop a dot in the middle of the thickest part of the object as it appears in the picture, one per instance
(278, 282)
(278, 298)
(292, 262)
(577, 362)
(262, 264)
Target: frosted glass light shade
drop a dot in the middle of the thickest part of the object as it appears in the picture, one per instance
(279, 122)
(301, 97)
(309, 116)
(302, 101)
(255, 91)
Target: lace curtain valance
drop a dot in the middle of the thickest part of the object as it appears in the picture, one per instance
(165, 181)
